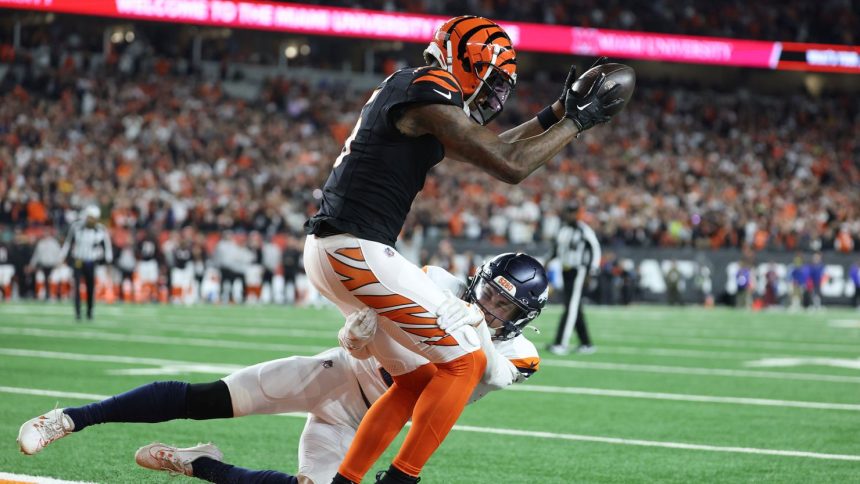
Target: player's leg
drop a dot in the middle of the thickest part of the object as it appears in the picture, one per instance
(560, 341)
(150, 403)
(573, 283)
(90, 282)
(321, 448)
(375, 275)
(204, 461)
(581, 328)
(323, 385)
(294, 384)
(384, 421)
(76, 287)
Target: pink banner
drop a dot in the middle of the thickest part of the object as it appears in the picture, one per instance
(675, 48)
(311, 19)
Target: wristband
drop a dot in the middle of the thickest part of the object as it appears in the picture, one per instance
(546, 117)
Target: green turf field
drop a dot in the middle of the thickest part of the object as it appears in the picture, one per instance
(672, 395)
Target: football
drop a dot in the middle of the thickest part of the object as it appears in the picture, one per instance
(616, 74)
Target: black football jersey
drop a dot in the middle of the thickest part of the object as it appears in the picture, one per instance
(380, 170)
(181, 256)
(147, 250)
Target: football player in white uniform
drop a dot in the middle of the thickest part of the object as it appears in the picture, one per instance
(335, 387)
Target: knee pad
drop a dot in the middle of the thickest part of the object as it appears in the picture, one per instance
(209, 400)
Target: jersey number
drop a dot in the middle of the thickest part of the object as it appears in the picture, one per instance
(347, 146)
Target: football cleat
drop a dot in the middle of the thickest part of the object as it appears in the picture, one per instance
(560, 350)
(586, 349)
(161, 457)
(395, 476)
(38, 432)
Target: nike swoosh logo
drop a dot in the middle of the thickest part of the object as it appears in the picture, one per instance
(581, 107)
(446, 95)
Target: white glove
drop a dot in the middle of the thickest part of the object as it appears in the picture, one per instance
(454, 313)
(358, 330)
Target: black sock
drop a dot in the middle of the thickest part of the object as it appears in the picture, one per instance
(339, 479)
(220, 473)
(155, 402)
(395, 476)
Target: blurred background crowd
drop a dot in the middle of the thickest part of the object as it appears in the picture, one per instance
(680, 167)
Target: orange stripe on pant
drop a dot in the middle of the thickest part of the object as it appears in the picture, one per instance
(356, 277)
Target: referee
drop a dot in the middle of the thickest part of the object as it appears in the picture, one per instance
(87, 244)
(578, 250)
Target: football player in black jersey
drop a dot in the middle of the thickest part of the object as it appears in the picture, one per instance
(414, 119)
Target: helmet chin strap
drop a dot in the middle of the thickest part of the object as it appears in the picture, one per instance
(449, 56)
(449, 66)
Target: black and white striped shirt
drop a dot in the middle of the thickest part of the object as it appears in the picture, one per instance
(577, 247)
(89, 244)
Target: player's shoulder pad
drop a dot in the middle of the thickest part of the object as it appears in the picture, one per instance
(523, 354)
(445, 280)
(435, 86)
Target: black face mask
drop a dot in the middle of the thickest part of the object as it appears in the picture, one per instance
(492, 95)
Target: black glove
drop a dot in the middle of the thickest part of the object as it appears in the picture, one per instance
(571, 77)
(589, 109)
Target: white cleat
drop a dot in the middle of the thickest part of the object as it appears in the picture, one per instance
(161, 457)
(38, 432)
(559, 350)
(586, 349)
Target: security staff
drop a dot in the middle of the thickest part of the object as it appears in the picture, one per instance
(87, 244)
(578, 250)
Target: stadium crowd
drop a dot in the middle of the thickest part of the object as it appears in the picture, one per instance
(681, 167)
(830, 21)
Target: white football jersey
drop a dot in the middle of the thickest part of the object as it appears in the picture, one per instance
(508, 362)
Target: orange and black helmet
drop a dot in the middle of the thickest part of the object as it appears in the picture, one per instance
(480, 55)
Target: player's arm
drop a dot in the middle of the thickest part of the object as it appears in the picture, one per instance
(466, 141)
(108, 247)
(510, 162)
(356, 333)
(532, 127)
(500, 372)
(67, 244)
(549, 115)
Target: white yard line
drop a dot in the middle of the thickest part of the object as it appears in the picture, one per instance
(600, 392)
(683, 353)
(536, 434)
(244, 330)
(23, 329)
(738, 343)
(169, 367)
(685, 370)
(52, 393)
(163, 340)
(208, 329)
(227, 368)
(813, 334)
(654, 443)
(305, 333)
(6, 477)
(844, 323)
(165, 367)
